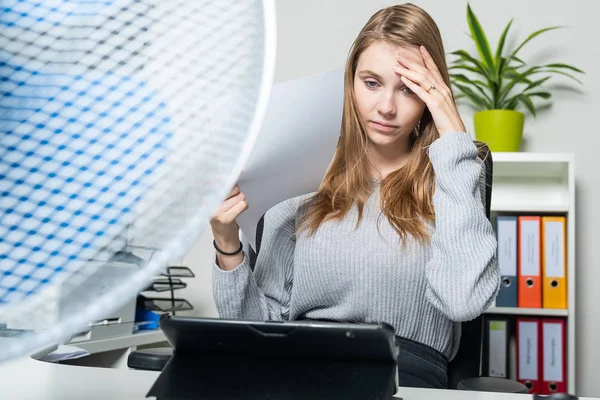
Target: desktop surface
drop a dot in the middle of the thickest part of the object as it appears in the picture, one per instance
(29, 379)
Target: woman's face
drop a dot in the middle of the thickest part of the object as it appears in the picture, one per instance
(388, 109)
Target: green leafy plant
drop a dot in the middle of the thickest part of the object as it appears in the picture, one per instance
(502, 80)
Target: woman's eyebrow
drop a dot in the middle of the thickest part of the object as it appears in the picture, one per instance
(369, 72)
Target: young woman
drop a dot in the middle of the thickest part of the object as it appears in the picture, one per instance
(397, 231)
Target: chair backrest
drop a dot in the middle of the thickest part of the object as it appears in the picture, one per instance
(467, 362)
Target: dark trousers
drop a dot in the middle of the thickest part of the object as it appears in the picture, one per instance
(421, 366)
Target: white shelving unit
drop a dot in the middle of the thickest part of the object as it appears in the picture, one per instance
(542, 183)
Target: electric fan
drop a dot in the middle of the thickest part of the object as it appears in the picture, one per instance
(124, 124)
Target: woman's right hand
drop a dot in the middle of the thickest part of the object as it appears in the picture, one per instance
(226, 230)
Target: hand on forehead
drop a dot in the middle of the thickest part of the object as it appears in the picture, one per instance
(409, 54)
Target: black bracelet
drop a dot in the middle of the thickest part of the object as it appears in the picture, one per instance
(228, 254)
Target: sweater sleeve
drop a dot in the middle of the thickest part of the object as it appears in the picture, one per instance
(463, 275)
(262, 294)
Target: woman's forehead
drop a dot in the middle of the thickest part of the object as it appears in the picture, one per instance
(381, 51)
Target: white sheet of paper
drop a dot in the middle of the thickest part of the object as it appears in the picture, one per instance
(295, 145)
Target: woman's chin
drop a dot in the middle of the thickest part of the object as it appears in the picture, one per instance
(379, 139)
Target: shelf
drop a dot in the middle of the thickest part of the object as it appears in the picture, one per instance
(538, 312)
(533, 182)
(530, 208)
(532, 165)
(121, 342)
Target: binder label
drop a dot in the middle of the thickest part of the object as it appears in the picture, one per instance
(554, 252)
(507, 246)
(497, 349)
(528, 350)
(530, 253)
(553, 343)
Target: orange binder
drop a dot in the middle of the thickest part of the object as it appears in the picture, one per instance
(529, 273)
(554, 262)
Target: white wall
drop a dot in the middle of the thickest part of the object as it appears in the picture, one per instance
(315, 35)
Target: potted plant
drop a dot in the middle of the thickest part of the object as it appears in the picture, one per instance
(500, 84)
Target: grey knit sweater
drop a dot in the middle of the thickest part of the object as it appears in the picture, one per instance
(359, 274)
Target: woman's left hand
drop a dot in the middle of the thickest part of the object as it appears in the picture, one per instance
(426, 82)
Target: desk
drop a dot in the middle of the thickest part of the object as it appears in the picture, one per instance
(113, 352)
(122, 342)
(29, 379)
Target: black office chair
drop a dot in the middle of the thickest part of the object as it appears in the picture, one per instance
(464, 371)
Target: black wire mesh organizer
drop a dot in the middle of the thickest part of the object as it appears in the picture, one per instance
(169, 281)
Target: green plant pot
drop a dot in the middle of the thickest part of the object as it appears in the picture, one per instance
(501, 130)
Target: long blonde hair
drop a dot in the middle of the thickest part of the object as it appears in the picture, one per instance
(406, 194)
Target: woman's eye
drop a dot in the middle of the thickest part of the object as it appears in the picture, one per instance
(371, 84)
(407, 90)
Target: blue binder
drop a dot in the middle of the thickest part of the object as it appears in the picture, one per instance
(506, 231)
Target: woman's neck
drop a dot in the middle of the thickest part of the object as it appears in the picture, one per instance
(385, 160)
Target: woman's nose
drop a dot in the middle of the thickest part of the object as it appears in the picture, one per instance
(386, 105)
